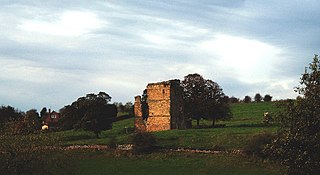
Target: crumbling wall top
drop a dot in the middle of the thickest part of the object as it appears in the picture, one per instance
(164, 83)
(137, 98)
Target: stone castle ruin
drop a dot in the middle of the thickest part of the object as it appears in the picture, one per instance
(160, 107)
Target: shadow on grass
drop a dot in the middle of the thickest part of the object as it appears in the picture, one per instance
(209, 126)
(255, 125)
(79, 137)
(123, 117)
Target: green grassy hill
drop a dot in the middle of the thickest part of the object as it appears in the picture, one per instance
(247, 122)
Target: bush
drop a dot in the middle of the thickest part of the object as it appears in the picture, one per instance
(143, 142)
(298, 145)
(257, 144)
(298, 154)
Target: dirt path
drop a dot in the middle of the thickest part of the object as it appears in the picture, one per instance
(128, 147)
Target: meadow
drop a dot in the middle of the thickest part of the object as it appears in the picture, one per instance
(246, 123)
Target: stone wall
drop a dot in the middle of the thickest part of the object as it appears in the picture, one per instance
(158, 99)
(139, 123)
(165, 109)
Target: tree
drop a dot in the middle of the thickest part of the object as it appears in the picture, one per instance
(204, 99)
(91, 112)
(257, 98)
(194, 96)
(98, 118)
(43, 112)
(69, 117)
(216, 102)
(267, 98)
(298, 144)
(9, 113)
(247, 99)
(29, 123)
(233, 100)
(129, 108)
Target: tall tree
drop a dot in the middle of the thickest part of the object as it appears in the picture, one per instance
(298, 145)
(30, 123)
(91, 112)
(267, 98)
(129, 108)
(247, 99)
(204, 99)
(257, 98)
(9, 114)
(194, 96)
(216, 103)
(233, 100)
(69, 117)
(43, 112)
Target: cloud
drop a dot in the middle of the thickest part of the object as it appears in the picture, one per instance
(69, 23)
(247, 59)
(52, 53)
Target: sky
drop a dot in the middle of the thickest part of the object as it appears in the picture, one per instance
(53, 52)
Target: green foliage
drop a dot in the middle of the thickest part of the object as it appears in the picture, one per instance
(143, 142)
(233, 100)
(43, 112)
(204, 99)
(9, 114)
(247, 99)
(257, 98)
(298, 145)
(126, 108)
(267, 98)
(29, 124)
(91, 112)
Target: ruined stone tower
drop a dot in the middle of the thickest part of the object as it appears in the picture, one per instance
(161, 108)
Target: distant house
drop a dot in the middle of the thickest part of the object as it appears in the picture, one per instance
(50, 121)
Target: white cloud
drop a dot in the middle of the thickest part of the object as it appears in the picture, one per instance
(69, 23)
(249, 60)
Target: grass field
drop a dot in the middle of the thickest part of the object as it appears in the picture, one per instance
(247, 122)
(100, 163)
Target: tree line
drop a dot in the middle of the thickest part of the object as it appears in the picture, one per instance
(203, 99)
(247, 99)
(92, 112)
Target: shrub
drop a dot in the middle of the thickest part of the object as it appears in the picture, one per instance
(298, 145)
(143, 142)
(257, 144)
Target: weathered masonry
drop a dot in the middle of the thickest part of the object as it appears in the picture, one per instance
(160, 108)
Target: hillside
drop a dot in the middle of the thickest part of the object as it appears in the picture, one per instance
(246, 122)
